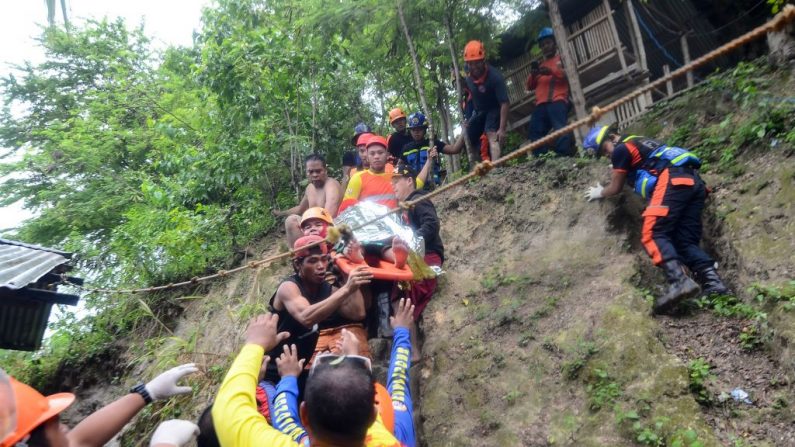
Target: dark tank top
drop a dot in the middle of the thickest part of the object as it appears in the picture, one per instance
(305, 339)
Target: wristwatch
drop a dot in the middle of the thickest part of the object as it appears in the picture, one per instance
(141, 389)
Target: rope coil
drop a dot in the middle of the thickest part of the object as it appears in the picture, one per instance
(782, 19)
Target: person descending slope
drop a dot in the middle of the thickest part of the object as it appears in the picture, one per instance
(668, 177)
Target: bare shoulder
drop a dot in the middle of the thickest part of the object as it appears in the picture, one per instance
(287, 291)
(332, 183)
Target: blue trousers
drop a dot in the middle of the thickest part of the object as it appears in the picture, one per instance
(672, 220)
(546, 117)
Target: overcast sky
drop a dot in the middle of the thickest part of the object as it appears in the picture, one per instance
(168, 22)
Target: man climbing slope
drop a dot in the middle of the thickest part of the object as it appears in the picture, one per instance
(671, 232)
(490, 98)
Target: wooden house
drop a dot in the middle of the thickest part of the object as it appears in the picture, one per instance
(615, 46)
(29, 277)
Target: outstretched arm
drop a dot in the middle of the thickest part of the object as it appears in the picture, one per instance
(102, 425)
(235, 415)
(398, 375)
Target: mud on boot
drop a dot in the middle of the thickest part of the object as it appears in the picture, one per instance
(710, 281)
(680, 288)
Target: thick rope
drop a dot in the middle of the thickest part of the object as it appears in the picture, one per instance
(784, 17)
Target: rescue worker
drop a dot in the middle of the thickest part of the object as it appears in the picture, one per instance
(339, 406)
(310, 308)
(400, 137)
(374, 184)
(322, 191)
(416, 152)
(399, 403)
(36, 421)
(423, 219)
(489, 98)
(551, 87)
(352, 160)
(668, 177)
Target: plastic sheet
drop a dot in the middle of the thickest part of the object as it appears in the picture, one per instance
(380, 230)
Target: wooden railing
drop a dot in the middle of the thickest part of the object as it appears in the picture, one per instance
(591, 37)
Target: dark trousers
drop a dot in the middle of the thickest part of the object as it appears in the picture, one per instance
(550, 116)
(672, 220)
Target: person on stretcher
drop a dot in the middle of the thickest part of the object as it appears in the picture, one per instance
(317, 220)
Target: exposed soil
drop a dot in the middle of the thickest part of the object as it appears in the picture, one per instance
(769, 385)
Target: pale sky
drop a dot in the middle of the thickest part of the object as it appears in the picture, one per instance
(168, 22)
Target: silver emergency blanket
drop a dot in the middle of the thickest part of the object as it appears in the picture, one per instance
(385, 228)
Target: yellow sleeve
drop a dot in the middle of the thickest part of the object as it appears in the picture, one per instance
(354, 187)
(352, 192)
(235, 416)
(420, 183)
(379, 436)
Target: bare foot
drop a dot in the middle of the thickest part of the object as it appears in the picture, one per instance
(401, 252)
(354, 252)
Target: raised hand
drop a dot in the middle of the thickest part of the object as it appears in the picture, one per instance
(262, 331)
(288, 363)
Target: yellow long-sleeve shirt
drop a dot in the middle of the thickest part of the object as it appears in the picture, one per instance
(239, 424)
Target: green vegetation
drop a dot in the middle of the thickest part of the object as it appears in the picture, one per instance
(699, 373)
(157, 167)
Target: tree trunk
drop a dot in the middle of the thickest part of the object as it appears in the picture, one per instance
(448, 28)
(416, 64)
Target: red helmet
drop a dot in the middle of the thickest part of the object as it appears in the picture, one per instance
(474, 51)
(362, 139)
(303, 241)
(377, 140)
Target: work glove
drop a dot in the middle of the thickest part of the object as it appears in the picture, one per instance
(594, 192)
(165, 385)
(174, 432)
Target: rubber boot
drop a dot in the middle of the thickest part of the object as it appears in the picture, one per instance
(680, 287)
(711, 282)
(384, 311)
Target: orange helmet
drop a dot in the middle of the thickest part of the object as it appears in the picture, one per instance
(396, 114)
(31, 409)
(317, 213)
(300, 249)
(474, 51)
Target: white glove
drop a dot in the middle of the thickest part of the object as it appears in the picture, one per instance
(165, 385)
(174, 432)
(594, 192)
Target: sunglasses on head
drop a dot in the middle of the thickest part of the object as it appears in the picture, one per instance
(332, 360)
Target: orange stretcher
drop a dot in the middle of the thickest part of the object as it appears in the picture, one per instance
(384, 270)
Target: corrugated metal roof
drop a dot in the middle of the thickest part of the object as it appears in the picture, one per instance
(22, 264)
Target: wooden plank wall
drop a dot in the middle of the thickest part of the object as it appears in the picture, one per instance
(591, 37)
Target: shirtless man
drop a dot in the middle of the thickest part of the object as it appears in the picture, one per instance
(321, 191)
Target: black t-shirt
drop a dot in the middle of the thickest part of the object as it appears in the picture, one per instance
(491, 93)
(629, 155)
(396, 142)
(423, 218)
